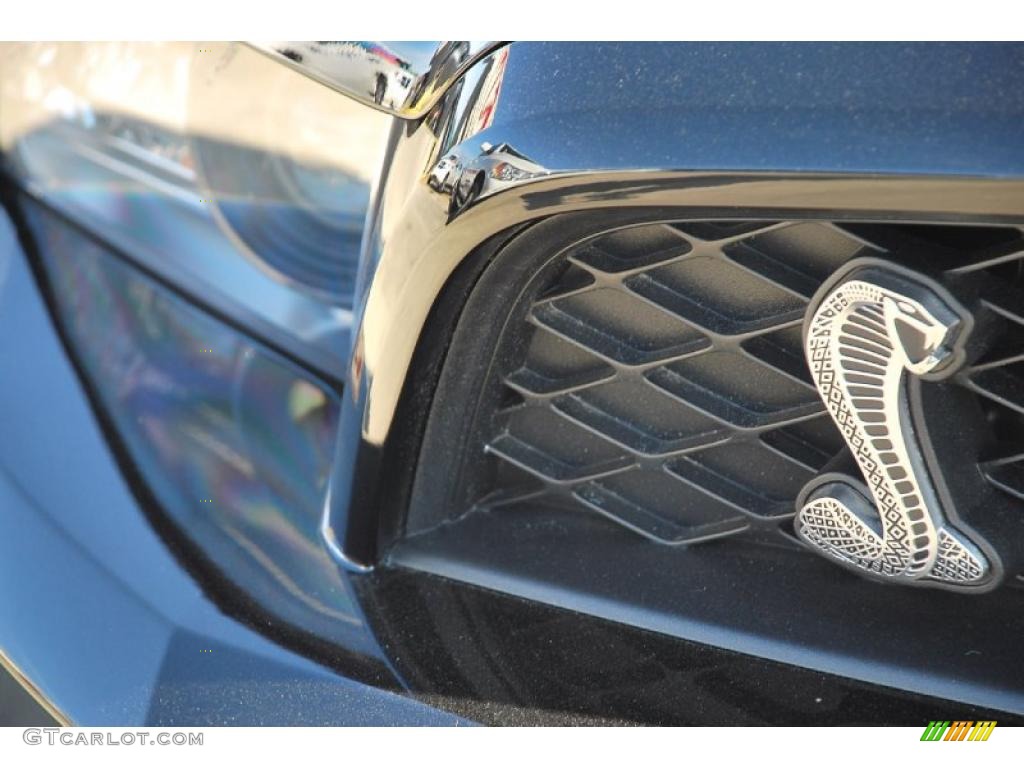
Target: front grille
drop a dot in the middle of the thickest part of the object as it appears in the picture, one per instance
(656, 375)
(607, 401)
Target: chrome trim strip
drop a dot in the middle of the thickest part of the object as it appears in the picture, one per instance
(33, 690)
(347, 73)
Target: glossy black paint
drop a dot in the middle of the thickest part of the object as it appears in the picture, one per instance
(104, 606)
(910, 108)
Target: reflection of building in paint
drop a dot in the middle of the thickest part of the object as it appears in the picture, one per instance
(366, 68)
(466, 110)
(469, 105)
(485, 98)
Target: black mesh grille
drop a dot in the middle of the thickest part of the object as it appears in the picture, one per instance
(658, 376)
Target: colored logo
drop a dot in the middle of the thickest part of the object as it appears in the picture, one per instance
(958, 730)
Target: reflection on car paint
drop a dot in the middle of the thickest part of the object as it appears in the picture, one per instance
(234, 441)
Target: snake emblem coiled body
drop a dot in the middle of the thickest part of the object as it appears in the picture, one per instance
(863, 342)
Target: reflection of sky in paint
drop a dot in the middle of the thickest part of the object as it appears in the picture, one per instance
(207, 414)
(417, 53)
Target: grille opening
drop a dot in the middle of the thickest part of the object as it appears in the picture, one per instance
(713, 231)
(569, 279)
(638, 416)
(649, 476)
(965, 240)
(553, 364)
(617, 326)
(811, 444)
(654, 481)
(633, 248)
(663, 364)
(713, 294)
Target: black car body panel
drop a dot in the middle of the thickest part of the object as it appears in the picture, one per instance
(118, 612)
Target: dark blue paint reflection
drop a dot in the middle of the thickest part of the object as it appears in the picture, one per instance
(234, 441)
(952, 108)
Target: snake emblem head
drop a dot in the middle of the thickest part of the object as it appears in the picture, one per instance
(923, 341)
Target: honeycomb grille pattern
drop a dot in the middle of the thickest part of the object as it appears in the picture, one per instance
(661, 381)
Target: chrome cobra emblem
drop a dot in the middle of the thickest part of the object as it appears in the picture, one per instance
(868, 334)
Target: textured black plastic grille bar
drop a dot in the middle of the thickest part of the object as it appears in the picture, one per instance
(664, 386)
